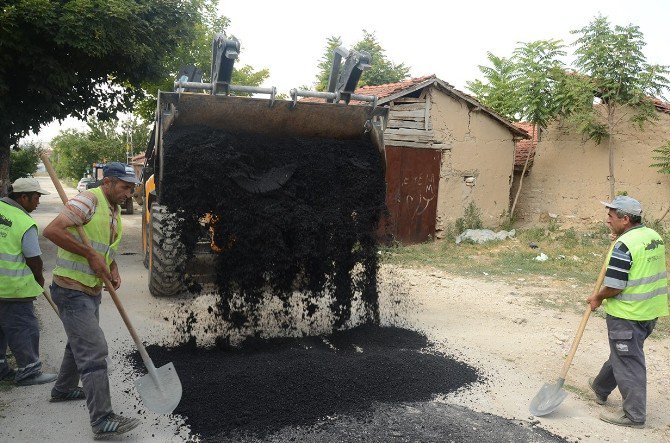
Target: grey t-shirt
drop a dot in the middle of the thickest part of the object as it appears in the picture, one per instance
(30, 244)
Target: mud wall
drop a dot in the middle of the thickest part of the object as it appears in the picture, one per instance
(477, 162)
(570, 174)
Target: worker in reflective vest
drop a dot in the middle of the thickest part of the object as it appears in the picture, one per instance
(77, 291)
(634, 295)
(21, 282)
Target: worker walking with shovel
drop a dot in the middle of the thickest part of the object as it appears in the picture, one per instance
(634, 295)
(77, 291)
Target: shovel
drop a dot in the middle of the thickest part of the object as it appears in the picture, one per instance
(160, 389)
(550, 396)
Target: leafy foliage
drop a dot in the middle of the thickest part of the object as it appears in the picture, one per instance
(501, 91)
(80, 58)
(382, 69)
(326, 63)
(618, 74)
(23, 161)
(662, 158)
(198, 52)
(538, 66)
(75, 151)
(472, 219)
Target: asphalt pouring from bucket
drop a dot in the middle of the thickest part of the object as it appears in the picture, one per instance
(292, 215)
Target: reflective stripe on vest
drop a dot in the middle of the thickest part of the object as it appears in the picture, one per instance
(75, 266)
(16, 272)
(16, 278)
(645, 296)
(97, 230)
(12, 257)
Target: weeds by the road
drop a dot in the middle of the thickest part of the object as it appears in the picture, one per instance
(574, 257)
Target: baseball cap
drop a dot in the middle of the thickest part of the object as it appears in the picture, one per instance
(625, 204)
(28, 184)
(118, 170)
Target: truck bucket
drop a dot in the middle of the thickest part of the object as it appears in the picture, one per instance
(278, 118)
(254, 115)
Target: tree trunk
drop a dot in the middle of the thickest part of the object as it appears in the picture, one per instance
(4, 167)
(525, 167)
(610, 147)
(664, 214)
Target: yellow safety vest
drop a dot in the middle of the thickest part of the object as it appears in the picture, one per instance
(646, 294)
(75, 266)
(16, 278)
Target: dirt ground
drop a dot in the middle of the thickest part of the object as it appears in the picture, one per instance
(494, 325)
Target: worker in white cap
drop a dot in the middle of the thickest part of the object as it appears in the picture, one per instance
(21, 282)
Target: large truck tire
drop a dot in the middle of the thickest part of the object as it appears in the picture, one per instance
(128, 205)
(167, 256)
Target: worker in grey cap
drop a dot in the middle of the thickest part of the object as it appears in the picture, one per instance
(21, 282)
(77, 291)
(634, 294)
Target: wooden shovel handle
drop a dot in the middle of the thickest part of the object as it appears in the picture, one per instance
(108, 284)
(585, 316)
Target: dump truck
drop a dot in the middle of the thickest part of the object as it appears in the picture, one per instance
(337, 114)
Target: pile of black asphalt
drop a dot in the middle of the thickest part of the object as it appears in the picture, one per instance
(368, 383)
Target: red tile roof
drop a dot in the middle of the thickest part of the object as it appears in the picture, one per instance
(382, 91)
(661, 106)
(524, 148)
(390, 91)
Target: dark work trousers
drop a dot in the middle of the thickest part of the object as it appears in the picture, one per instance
(20, 330)
(626, 367)
(85, 351)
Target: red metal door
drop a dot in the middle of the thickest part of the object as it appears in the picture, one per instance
(412, 178)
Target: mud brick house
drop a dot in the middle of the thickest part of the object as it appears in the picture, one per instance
(444, 150)
(569, 174)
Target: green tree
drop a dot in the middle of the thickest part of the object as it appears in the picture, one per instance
(501, 90)
(74, 151)
(662, 158)
(382, 69)
(198, 52)
(23, 161)
(537, 68)
(135, 134)
(617, 73)
(82, 58)
(326, 63)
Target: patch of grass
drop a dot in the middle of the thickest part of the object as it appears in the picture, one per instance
(570, 256)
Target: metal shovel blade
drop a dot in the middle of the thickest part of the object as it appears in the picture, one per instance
(160, 389)
(548, 399)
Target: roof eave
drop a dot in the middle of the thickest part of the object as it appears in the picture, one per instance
(447, 88)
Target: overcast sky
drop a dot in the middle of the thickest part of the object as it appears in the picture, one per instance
(448, 39)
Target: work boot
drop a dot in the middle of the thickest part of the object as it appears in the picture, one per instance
(112, 425)
(620, 419)
(599, 398)
(73, 394)
(37, 379)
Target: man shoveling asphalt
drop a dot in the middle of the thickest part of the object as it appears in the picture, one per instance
(634, 295)
(77, 290)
